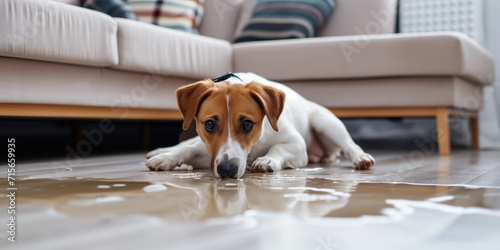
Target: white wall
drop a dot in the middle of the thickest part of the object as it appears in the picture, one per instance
(490, 115)
(422, 128)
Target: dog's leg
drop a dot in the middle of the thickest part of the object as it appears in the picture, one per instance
(291, 154)
(158, 151)
(334, 134)
(191, 152)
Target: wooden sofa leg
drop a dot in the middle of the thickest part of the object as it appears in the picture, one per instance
(474, 132)
(443, 131)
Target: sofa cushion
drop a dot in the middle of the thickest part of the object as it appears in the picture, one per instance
(149, 48)
(356, 17)
(57, 32)
(220, 18)
(284, 19)
(182, 15)
(36, 82)
(348, 57)
(114, 8)
(29, 81)
(433, 91)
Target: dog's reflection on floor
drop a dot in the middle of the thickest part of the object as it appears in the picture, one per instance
(315, 197)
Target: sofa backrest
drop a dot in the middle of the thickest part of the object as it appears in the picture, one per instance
(224, 19)
(356, 17)
(220, 18)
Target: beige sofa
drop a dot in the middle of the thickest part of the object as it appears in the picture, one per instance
(60, 60)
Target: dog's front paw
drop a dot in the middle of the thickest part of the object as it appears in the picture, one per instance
(363, 162)
(264, 165)
(162, 161)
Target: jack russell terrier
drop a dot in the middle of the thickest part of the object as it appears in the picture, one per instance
(245, 121)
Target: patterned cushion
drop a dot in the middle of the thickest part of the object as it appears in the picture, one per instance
(114, 8)
(183, 15)
(285, 19)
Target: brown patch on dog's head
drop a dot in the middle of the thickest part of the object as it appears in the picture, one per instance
(190, 97)
(271, 100)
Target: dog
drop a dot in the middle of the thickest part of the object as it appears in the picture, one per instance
(246, 122)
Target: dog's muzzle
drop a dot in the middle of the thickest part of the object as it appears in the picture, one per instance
(228, 169)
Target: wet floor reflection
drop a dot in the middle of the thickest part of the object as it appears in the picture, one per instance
(190, 198)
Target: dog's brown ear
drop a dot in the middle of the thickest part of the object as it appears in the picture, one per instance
(189, 99)
(272, 101)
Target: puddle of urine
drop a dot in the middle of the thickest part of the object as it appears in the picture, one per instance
(195, 199)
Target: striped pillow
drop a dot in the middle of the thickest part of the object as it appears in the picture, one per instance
(182, 15)
(285, 19)
(114, 8)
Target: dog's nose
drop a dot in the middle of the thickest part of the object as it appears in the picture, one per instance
(227, 169)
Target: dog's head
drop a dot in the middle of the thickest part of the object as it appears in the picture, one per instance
(229, 119)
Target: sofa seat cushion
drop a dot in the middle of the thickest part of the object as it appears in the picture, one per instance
(149, 48)
(433, 91)
(57, 32)
(36, 82)
(387, 55)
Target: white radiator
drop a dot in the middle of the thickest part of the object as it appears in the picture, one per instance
(464, 16)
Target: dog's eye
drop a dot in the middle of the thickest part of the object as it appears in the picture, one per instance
(247, 125)
(209, 126)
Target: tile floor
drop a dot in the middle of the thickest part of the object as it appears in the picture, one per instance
(408, 200)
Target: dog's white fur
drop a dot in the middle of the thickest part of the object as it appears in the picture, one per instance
(302, 125)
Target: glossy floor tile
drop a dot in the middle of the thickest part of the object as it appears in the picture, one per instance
(408, 200)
